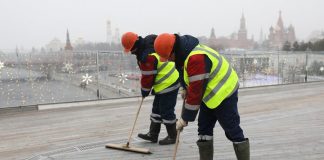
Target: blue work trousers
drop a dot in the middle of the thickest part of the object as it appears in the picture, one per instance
(226, 114)
(163, 107)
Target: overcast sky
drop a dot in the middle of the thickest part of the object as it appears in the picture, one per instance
(30, 23)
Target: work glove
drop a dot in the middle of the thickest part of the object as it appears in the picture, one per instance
(181, 124)
(145, 93)
(183, 93)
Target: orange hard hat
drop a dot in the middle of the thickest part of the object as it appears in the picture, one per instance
(128, 40)
(163, 45)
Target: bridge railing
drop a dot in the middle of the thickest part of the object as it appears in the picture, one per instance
(31, 78)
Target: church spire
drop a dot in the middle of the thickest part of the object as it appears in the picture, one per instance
(68, 45)
(242, 26)
(242, 33)
(212, 34)
(280, 21)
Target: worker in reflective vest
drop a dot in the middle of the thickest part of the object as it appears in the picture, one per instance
(163, 78)
(211, 85)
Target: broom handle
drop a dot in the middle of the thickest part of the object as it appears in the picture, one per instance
(130, 135)
(176, 145)
(178, 135)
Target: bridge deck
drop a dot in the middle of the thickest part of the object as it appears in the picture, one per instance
(282, 122)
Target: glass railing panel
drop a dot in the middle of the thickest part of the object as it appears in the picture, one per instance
(315, 66)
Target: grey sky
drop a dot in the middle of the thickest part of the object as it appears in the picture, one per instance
(30, 23)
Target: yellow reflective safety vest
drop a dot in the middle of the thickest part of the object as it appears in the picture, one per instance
(222, 79)
(166, 76)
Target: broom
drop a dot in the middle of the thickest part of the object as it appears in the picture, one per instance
(126, 147)
(178, 134)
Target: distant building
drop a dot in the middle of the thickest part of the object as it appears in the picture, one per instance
(116, 38)
(68, 46)
(54, 45)
(212, 38)
(109, 32)
(279, 35)
(79, 41)
(242, 40)
(262, 37)
(235, 40)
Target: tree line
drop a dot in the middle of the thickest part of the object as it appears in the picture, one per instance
(303, 46)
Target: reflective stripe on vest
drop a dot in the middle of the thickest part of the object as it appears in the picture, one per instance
(166, 76)
(222, 79)
(147, 73)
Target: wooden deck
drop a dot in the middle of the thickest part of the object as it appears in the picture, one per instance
(282, 122)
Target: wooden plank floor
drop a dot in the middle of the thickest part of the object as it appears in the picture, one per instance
(282, 122)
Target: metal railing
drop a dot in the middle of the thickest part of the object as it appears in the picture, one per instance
(55, 77)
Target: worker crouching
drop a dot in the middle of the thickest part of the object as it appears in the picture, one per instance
(211, 85)
(160, 78)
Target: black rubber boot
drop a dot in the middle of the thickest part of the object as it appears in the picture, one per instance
(242, 150)
(206, 149)
(172, 135)
(153, 134)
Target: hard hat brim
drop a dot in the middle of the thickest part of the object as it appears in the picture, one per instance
(127, 50)
(163, 59)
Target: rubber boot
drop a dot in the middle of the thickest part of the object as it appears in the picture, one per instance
(172, 135)
(242, 150)
(153, 134)
(206, 149)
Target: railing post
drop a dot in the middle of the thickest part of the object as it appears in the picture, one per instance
(306, 67)
(97, 63)
(244, 68)
(278, 67)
